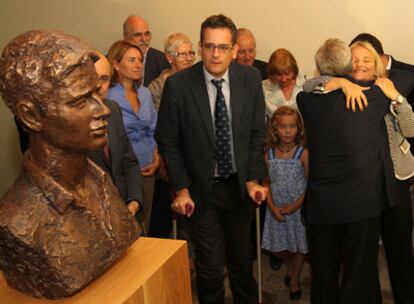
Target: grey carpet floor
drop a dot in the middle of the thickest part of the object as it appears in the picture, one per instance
(275, 292)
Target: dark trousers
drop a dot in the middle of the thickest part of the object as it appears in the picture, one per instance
(222, 237)
(161, 215)
(396, 234)
(354, 246)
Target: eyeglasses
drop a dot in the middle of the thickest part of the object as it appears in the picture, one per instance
(183, 54)
(139, 35)
(222, 48)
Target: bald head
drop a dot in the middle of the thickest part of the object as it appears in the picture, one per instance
(247, 47)
(104, 71)
(136, 31)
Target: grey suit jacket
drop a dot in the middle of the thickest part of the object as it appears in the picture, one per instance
(185, 131)
(123, 166)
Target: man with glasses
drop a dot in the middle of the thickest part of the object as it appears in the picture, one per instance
(136, 31)
(247, 51)
(211, 131)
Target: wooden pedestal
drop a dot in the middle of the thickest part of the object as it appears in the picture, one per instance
(152, 271)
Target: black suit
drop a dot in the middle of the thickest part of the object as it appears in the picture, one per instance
(395, 64)
(349, 170)
(262, 67)
(397, 222)
(223, 212)
(155, 63)
(123, 166)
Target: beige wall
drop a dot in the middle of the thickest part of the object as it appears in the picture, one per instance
(299, 26)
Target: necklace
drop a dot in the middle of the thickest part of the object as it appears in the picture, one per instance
(285, 150)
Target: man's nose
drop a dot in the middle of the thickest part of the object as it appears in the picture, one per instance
(216, 52)
(102, 109)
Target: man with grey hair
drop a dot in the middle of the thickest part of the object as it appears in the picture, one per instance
(334, 58)
(247, 51)
(347, 167)
(136, 31)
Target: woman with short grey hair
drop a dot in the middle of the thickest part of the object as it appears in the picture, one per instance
(180, 55)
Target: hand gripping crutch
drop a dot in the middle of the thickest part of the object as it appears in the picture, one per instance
(188, 210)
(258, 198)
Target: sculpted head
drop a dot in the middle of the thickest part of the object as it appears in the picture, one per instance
(48, 80)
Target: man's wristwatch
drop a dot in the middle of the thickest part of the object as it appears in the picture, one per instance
(397, 101)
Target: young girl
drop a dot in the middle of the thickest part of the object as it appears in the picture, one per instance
(287, 161)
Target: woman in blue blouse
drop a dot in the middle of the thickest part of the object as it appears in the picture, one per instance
(138, 113)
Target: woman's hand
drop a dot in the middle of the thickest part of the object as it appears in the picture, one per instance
(387, 87)
(152, 167)
(354, 95)
(353, 92)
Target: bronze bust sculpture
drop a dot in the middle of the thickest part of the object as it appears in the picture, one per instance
(63, 222)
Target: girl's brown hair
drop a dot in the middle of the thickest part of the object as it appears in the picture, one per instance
(272, 140)
(117, 52)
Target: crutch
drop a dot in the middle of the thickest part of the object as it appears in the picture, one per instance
(188, 210)
(258, 198)
(174, 223)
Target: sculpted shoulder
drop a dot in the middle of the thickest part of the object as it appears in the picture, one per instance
(19, 212)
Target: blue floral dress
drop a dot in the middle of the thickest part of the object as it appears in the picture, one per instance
(287, 183)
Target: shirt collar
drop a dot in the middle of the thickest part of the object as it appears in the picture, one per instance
(388, 67)
(210, 77)
(58, 196)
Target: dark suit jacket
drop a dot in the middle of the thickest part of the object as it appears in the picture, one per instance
(395, 64)
(185, 132)
(123, 167)
(350, 169)
(262, 67)
(155, 63)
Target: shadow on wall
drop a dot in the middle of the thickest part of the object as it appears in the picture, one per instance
(10, 156)
(99, 22)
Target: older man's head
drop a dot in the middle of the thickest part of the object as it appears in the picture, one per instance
(136, 31)
(247, 47)
(334, 58)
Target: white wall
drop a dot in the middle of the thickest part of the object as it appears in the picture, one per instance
(300, 26)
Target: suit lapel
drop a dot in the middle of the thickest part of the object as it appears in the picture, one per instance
(149, 65)
(200, 93)
(237, 100)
